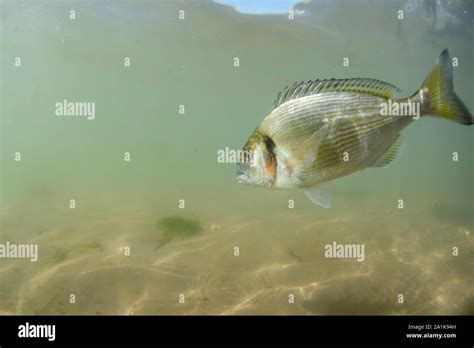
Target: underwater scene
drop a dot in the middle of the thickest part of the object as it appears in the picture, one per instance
(157, 157)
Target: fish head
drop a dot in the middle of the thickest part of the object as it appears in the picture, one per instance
(257, 161)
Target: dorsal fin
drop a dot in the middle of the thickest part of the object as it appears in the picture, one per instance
(358, 85)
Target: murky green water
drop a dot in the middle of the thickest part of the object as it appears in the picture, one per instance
(111, 251)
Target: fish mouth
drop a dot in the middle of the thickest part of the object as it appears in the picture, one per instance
(242, 173)
(242, 177)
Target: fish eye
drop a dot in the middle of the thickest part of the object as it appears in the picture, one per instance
(246, 156)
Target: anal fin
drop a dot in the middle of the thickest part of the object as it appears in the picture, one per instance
(319, 194)
(391, 155)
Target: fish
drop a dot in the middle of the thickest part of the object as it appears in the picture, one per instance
(321, 130)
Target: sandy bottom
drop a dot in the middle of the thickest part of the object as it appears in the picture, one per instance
(280, 257)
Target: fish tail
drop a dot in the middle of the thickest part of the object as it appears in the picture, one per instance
(438, 95)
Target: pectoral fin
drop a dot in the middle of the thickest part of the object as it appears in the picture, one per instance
(305, 156)
(319, 194)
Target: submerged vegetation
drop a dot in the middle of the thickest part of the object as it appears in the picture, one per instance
(62, 255)
(58, 257)
(174, 226)
(93, 245)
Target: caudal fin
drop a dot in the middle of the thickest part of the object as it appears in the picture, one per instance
(441, 99)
